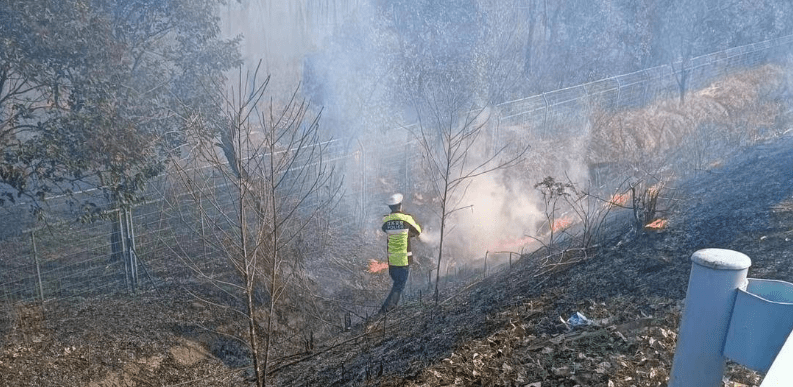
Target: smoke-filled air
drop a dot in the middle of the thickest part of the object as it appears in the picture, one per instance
(380, 192)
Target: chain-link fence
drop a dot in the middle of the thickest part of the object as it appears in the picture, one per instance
(562, 112)
(141, 247)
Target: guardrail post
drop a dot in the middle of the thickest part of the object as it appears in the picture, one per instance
(716, 274)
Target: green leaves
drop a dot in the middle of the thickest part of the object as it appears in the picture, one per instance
(88, 90)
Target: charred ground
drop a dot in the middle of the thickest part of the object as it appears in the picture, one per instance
(506, 329)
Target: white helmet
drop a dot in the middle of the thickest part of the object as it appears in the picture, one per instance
(395, 199)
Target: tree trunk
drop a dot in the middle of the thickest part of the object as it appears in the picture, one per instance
(274, 272)
(252, 323)
(444, 215)
(440, 254)
(249, 270)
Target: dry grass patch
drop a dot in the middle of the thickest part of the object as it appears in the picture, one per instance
(733, 110)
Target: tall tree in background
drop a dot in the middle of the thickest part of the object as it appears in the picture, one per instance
(685, 29)
(88, 90)
(426, 33)
(520, 48)
(684, 32)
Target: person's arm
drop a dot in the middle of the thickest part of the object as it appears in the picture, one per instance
(414, 228)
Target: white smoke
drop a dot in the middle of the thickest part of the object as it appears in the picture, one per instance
(502, 211)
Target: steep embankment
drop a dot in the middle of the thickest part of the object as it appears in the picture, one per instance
(508, 328)
(505, 330)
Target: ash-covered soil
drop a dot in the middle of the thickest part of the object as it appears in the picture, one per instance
(505, 330)
(508, 329)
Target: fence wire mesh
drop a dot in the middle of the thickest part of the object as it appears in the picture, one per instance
(63, 258)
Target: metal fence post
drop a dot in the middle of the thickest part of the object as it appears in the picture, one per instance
(647, 81)
(429, 279)
(363, 183)
(36, 260)
(407, 162)
(545, 117)
(203, 228)
(485, 269)
(133, 257)
(124, 251)
(716, 275)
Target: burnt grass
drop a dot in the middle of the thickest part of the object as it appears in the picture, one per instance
(507, 329)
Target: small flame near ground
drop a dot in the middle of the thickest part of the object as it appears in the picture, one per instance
(619, 200)
(657, 224)
(376, 266)
(561, 224)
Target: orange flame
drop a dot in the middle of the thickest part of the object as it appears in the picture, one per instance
(376, 267)
(657, 224)
(561, 224)
(620, 200)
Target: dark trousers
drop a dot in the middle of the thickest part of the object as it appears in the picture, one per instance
(399, 274)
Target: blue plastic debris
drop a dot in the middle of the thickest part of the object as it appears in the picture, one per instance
(578, 320)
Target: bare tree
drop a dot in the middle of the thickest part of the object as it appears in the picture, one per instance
(590, 210)
(452, 152)
(691, 29)
(268, 181)
(552, 191)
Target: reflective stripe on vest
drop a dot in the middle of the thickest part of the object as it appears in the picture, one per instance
(398, 232)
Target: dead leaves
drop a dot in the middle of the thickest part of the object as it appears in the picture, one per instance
(635, 353)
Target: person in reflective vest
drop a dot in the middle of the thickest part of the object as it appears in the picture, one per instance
(400, 228)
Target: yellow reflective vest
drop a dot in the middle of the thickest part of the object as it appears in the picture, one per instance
(400, 227)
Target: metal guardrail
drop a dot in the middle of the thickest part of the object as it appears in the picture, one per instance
(730, 316)
(780, 373)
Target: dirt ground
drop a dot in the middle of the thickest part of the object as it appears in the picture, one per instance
(506, 330)
(510, 329)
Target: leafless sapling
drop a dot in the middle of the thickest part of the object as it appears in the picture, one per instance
(451, 145)
(269, 179)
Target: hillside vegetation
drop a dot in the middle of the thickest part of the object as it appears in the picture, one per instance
(505, 329)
